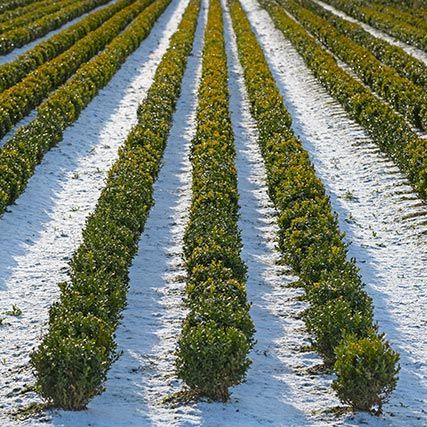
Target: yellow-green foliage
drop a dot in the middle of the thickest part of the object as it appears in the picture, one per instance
(73, 359)
(19, 100)
(407, 98)
(8, 6)
(393, 56)
(366, 372)
(383, 21)
(14, 71)
(22, 9)
(37, 11)
(217, 333)
(21, 154)
(21, 35)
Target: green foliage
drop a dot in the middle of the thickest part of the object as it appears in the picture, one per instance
(25, 8)
(7, 5)
(14, 311)
(14, 71)
(212, 359)
(21, 154)
(329, 323)
(21, 35)
(366, 371)
(73, 359)
(393, 56)
(217, 333)
(34, 13)
(401, 30)
(20, 99)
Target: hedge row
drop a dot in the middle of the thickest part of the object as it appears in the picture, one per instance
(387, 128)
(415, 8)
(36, 12)
(340, 315)
(406, 17)
(23, 35)
(19, 11)
(217, 332)
(406, 65)
(13, 4)
(21, 154)
(400, 30)
(407, 98)
(18, 101)
(13, 72)
(73, 359)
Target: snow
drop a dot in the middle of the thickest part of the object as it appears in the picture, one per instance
(11, 56)
(385, 224)
(410, 50)
(40, 232)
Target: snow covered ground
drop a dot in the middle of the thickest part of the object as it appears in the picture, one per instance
(384, 221)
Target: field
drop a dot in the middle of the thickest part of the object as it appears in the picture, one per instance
(213, 212)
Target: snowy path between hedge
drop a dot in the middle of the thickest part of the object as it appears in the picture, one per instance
(144, 374)
(384, 220)
(40, 232)
(410, 50)
(11, 56)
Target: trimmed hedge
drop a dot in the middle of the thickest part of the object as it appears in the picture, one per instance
(388, 24)
(37, 11)
(393, 56)
(412, 17)
(340, 314)
(73, 359)
(387, 128)
(404, 96)
(13, 4)
(21, 154)
(20, 36)
(18, 101)
(217, 332)
(25, 9)
(13, 72)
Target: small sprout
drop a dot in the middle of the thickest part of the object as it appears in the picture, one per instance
(349, 196)
(15, 311)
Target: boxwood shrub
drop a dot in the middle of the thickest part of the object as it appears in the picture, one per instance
(309, 237)
(73, 359)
